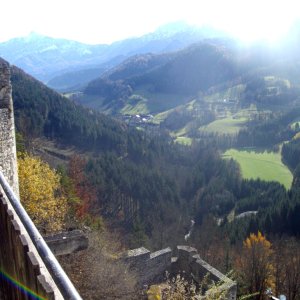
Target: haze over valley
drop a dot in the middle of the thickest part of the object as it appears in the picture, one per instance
(186, 133)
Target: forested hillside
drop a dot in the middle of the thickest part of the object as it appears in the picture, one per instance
(204, 71)
(42, 112)
(183, 73)
(135, 175)
(146, 183)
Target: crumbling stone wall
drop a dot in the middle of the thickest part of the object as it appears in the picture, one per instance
(8, 160)
(189, 261)
(151, 267)
(68, 242)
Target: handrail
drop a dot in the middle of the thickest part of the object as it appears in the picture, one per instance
(61, 279)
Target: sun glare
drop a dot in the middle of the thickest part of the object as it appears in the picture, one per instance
(248, 20)
(98, 21)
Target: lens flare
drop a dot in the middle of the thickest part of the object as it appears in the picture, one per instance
(18, 285)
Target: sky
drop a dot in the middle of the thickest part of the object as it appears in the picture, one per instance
(105, 21)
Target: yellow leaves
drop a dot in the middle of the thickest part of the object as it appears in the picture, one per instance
(40, 193)
(255, 267)
(154, 292)
(258, 239)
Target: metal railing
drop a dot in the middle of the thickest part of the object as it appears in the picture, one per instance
(59, 276)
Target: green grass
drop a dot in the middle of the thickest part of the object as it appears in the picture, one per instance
(296, 136)
(273, 81)
(230, 93)
(264, 165)
(134, 107)
(228, 125)
(184, 140)
(160, 117)
(160, 102)
(143, 102)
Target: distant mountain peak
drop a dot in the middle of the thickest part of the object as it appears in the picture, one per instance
(34, 34)
(174, 27)
(47, 58)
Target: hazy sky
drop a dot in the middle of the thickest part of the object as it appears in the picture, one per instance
(98, 21)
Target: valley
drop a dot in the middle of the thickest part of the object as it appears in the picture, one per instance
(147, 140)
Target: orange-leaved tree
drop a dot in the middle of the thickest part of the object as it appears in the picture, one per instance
(40, 193)
(255, 268)
(83, 189)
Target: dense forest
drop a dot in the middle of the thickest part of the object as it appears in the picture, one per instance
(42, 112)
(183, 182)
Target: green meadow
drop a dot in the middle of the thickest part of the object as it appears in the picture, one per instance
(184, 140)
(233, 92)
(264, 165)
(227, 125)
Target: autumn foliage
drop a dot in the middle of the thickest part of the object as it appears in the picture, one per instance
(255, 266)
(41, 193)
(85, 192)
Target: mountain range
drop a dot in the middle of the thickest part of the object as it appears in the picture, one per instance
(178, 69)
(158, 82)
(65, 64)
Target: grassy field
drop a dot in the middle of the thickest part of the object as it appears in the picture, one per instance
(135, 107)
(160, 117)
(184, 140)
(296, 136)
(228, 125)
(264, 165)
(230, 93)
(160, 102)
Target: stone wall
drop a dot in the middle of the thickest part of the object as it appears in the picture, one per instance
(189, 261)
(67, 242)
(8, 160)
(151, 267)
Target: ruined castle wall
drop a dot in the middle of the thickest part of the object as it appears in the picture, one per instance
(151, 267)
(67, 242)
(189, 261)
(8, 160)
